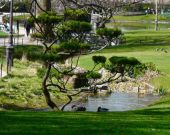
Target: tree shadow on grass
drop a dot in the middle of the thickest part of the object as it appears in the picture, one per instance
(154, 111)
(14, 107)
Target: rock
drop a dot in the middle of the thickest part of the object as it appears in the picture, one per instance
(78, 108)
(102, 87)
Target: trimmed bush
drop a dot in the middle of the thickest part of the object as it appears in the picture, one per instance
(77, 14)
(99, 59)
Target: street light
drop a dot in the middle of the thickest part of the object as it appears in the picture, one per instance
(10, 47)
(156, 15)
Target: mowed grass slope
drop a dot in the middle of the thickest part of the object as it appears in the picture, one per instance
(155, 48)
(146, 122)
(149, 17)
(3, 34)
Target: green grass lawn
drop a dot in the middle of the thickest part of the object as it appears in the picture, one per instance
(140, 18)
(3, 34)
(21, 17)
(152, 120)
(143, 122)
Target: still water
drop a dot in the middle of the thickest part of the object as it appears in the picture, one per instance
(117, 101)
(127, 26)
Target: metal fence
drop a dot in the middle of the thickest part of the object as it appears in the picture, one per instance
(19, 41)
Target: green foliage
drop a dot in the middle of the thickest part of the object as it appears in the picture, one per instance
(37, 35)
(77, 14)
(19, 51)
(31, 21)
(40, 72)
(99, 59)
(35, 56)
(73, 46)
(124, 64)
(162, 91)
(48, 18)
(124, 61)
(3, 34)
(19, 6)
(75, 27)
(93, 75)
(21, 18)
(109, 33)
(85, 46)
(47, 21)
(140, 69)
(133, 61)
(137, 70)
(53, 73)
(80, 81)
(22, 6)
(150, 66)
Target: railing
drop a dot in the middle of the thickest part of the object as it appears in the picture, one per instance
(19, 41)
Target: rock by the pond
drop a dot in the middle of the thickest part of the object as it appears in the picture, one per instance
(139, 85)
(78, 108)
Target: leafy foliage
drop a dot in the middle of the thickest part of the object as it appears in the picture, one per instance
(99, 59)
(109, 33)
(73, 46)
(93, 75)
(48, 18)
(70, 29)
(124, 61)
(77, 14)
(162, 91)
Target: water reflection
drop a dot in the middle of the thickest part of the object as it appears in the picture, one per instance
(118, 101)
(126, 26)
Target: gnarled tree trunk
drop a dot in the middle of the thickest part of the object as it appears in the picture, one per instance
(45, 88)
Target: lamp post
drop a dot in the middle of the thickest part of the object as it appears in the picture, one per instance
(10, 47)
(156, 15)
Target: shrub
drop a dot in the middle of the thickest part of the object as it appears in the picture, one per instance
(162, 91)
(77, 14)
(93, 75)
(109, 33)
(99, 59)
(75, 27)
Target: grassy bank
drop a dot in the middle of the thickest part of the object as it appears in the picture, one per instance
(149, 17)
(3, 34)
(21, 89)
(144, 122)
(147, 46)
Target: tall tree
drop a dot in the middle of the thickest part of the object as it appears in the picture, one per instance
(71, 37)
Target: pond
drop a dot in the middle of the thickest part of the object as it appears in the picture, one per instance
(126, 26)
(117, 101)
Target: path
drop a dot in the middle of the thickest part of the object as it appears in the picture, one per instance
(21, 40)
